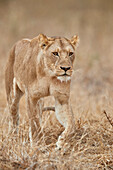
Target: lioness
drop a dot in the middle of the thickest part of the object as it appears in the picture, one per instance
(41, 67)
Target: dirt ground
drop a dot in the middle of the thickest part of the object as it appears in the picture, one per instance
(91, 147)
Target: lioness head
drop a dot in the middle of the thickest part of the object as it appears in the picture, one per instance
(59, 55)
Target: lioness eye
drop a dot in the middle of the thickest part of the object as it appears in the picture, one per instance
(70, 53)
(55, 53)
(43, 45)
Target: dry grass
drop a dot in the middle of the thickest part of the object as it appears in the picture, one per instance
(91, 147)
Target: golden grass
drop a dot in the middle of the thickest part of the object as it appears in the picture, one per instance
(91, 147)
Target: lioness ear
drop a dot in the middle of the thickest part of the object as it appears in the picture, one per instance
(75, 40)
(43, 40)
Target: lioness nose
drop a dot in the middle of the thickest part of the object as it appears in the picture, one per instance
(65, 68)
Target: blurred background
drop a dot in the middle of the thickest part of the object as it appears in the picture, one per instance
(92, 84)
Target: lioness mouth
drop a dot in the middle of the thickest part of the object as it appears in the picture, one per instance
(64, 74)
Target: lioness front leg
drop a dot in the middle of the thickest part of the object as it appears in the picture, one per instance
(33, 113)
(65, 117)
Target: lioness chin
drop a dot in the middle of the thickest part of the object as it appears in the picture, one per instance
(41, 67)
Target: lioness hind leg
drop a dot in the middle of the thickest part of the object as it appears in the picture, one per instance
(13, 98)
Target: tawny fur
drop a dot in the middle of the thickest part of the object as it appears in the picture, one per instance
(41, 67)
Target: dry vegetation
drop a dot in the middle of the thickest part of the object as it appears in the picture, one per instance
(91, 147)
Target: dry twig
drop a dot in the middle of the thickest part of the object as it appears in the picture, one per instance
(108, 118)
